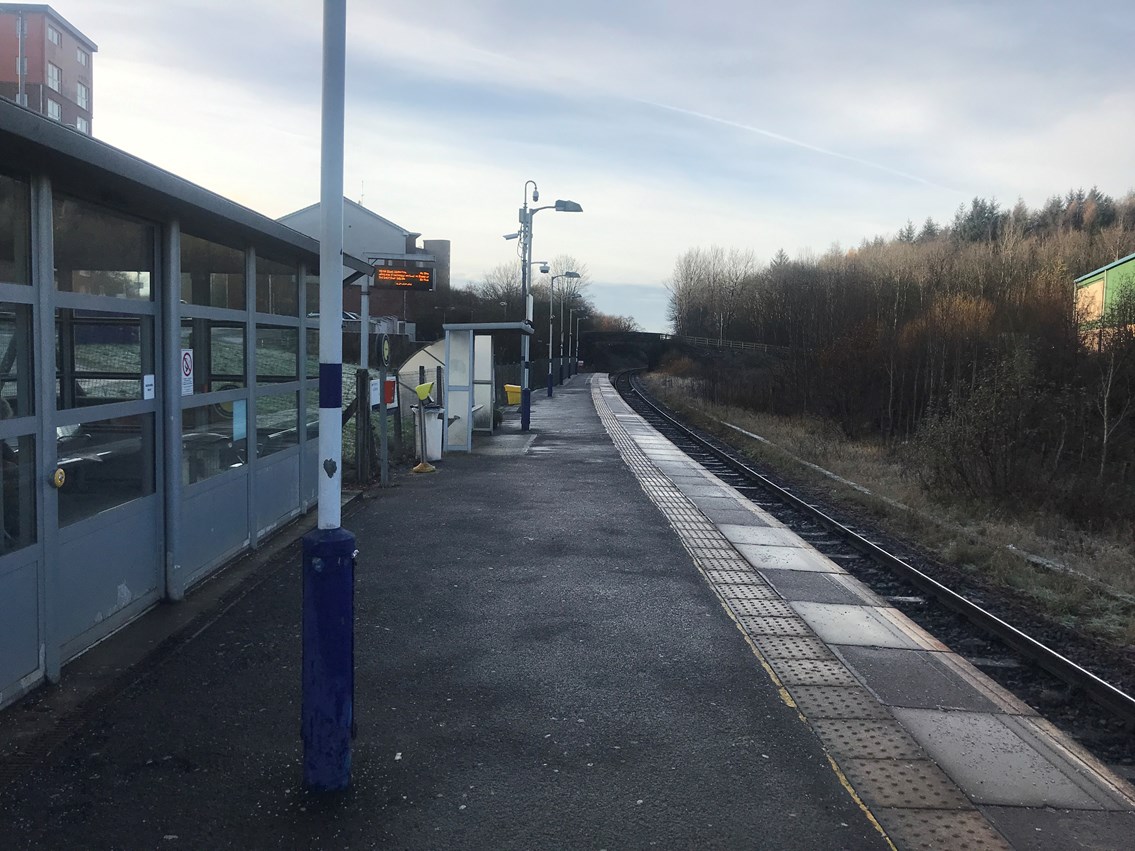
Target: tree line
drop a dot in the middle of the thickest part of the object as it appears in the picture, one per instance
(960, 339)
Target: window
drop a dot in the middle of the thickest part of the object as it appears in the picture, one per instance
(277, 287)
(82, 125)
(81, 57)
(82, 96)
(212, 275)
(54, 77)
(15, 233)
(98, 252)
(53, 35)
(54, 110)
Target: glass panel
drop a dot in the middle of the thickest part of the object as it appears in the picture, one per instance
(214, 438)
(106, 462)
(15, 361)
(16, 495)
(211, 274)
(15, 240)
(276, 420)
(100, 253)
(218, 353)
(277, 354)
(312, 295)
(277, 287)
(312, 353)
(312, 411)
(100, 357)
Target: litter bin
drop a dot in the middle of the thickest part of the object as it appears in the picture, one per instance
(513, 393)
(435, 422)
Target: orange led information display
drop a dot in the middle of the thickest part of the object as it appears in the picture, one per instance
(411, 279)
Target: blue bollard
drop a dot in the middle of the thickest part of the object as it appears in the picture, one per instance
(525, 408)
(327, 714)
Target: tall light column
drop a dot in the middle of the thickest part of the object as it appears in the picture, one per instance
(561, 206)
(328, 675)
(551, 293)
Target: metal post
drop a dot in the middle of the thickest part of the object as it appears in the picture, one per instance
(328, 686)
(525, 261)
(561, 336)
(551, 293)
(383, 442)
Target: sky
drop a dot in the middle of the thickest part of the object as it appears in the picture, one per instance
(738, 123)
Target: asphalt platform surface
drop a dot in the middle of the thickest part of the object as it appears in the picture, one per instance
(539, 665)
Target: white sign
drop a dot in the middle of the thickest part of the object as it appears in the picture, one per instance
(147, 386)
(187, 372)
(375, 392)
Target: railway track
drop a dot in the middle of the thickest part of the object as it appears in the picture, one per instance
(1084, 703)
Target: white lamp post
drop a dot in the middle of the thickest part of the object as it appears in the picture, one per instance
(525, 232)
(551, 294)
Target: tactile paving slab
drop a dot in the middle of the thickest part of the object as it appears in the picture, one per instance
(728, 576)
(746, 592)
(811, 672)
(837, 702)
(780, 647)
(917, 783)
(941, 830)
(758, 625)
(863, 739)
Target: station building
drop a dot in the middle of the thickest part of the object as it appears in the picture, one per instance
(158, 388)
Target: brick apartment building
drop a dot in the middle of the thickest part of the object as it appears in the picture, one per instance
(46, 64)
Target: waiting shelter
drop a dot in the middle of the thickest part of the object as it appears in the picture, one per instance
(159, 400)
(471, 379)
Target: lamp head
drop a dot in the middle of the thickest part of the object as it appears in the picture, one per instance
(571, 274)
(535, 193)
(568, 207)
(544, 268)
(511, 235)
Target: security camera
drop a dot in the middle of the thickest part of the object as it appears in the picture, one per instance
(543, 268)
(535, 194)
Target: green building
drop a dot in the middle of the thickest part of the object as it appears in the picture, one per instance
(1099, 291)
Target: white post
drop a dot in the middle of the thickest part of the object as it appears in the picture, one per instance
(331, 266)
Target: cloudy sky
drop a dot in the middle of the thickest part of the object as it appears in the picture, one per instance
(740, 123)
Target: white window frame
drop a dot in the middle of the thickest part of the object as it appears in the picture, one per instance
(82, 57)
(54, 36)
(82, 125)
(82, 96)
(54, 80)
(55, 114)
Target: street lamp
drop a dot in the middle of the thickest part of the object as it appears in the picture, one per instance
(579, 322)
(574, 365)
(525, 233)
(551, 294)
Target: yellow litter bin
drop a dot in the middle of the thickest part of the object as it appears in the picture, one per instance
(513, 393)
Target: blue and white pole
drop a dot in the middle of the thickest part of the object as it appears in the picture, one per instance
(328, 680)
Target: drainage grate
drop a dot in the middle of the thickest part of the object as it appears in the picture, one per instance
(775, 625)
(914, 828)
(837, 702)
(812, 672)
(856, 738)
(916, 783)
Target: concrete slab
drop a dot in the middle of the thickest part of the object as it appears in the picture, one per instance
(765, 535)
(778, 557)
(811, 586)
(913, 678)
(1001, 760)
(1057, 830)
(861, 625)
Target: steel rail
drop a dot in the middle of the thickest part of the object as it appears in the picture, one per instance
(1104, 693)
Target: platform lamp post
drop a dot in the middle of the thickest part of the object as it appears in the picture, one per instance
(578, 322)
(328, 668)
(551, 296)
(526, 215)
(574, 358)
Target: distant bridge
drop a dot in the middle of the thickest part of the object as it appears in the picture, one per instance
(607, 351)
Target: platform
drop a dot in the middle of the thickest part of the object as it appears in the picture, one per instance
(569, 638)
